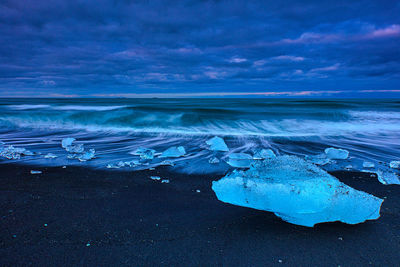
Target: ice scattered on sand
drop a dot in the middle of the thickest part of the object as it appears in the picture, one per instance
(165, 181)
(11, 152)
(50, 156)
(240, 160)
(156, 178)
(368, 164)
(296, 191)
(217, 144)
(173, 152)
(213, 160)
(144, 153)
(264, 154)
(395, 164)
(336, 153)
(387, 178)
(36, 172)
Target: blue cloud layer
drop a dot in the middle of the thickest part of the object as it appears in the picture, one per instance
(124, 47)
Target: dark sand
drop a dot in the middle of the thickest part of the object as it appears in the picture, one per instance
(130, 220)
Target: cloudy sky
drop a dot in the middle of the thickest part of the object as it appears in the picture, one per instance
(199, 48)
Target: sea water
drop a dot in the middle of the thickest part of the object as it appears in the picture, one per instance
(369, 130)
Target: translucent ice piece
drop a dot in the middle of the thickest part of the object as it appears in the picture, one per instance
(388, 177)
(88, 155)
(298, 192)
(173, 152)
(395, 164)
(217, 144)
(66, 142)
(336, 153)
(240, 160)
(264, 154)
(36, 172)
(144, 153)
(368, 164)
(213, 160)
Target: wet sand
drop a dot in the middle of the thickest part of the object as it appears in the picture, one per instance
(84, 217)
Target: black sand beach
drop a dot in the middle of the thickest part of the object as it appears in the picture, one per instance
(85, 217)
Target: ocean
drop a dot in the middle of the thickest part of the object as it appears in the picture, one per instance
(369, 129)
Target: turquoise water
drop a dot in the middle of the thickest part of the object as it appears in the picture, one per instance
(369, 129)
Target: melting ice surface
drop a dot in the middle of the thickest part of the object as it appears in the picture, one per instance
(217, 144)
(335, 153)
(173, 152)
(298, 192)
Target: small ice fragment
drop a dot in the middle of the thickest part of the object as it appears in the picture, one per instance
(75, 148)
(387, 178)
(144, 153)
(217, 144)
(166, 181)
(11, 152)
(157, 178)
(296, 191)
(348, 167)
(368, 164)
(50, 156)
(173, 152)
(36, 172)
(197, 191)
(213, 160)
(319, 159)
(336, 153)
(395, 164)
(71, 156)
(167, 162)
(264, 154)
(240, 160)
(151, 169)
(45, 225)
(66, 142)
(64, 167)
(88, 155)
(132, 163)
(120, 164)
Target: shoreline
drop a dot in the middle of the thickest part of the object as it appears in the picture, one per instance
(87, 217)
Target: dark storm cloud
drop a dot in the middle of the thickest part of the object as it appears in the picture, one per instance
(111, 47)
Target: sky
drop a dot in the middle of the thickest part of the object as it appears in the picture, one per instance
(104, 48)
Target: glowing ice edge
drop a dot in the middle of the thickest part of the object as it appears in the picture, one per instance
(297, 191)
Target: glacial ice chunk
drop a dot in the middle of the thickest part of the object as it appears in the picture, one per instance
(144, 153)
(173, 152)
(66, 142)
(297, 191)
(120, 164)
(88, 155)
(11, 152)
(336, 153)
(240, 160)
(264, 154)
(213, 160)
(368, 164)
(387, 178)
(166, 163)
(36, 172)
(75, 148)
(395, 164)
(166, 181)
(217, 144)
(156, 178)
